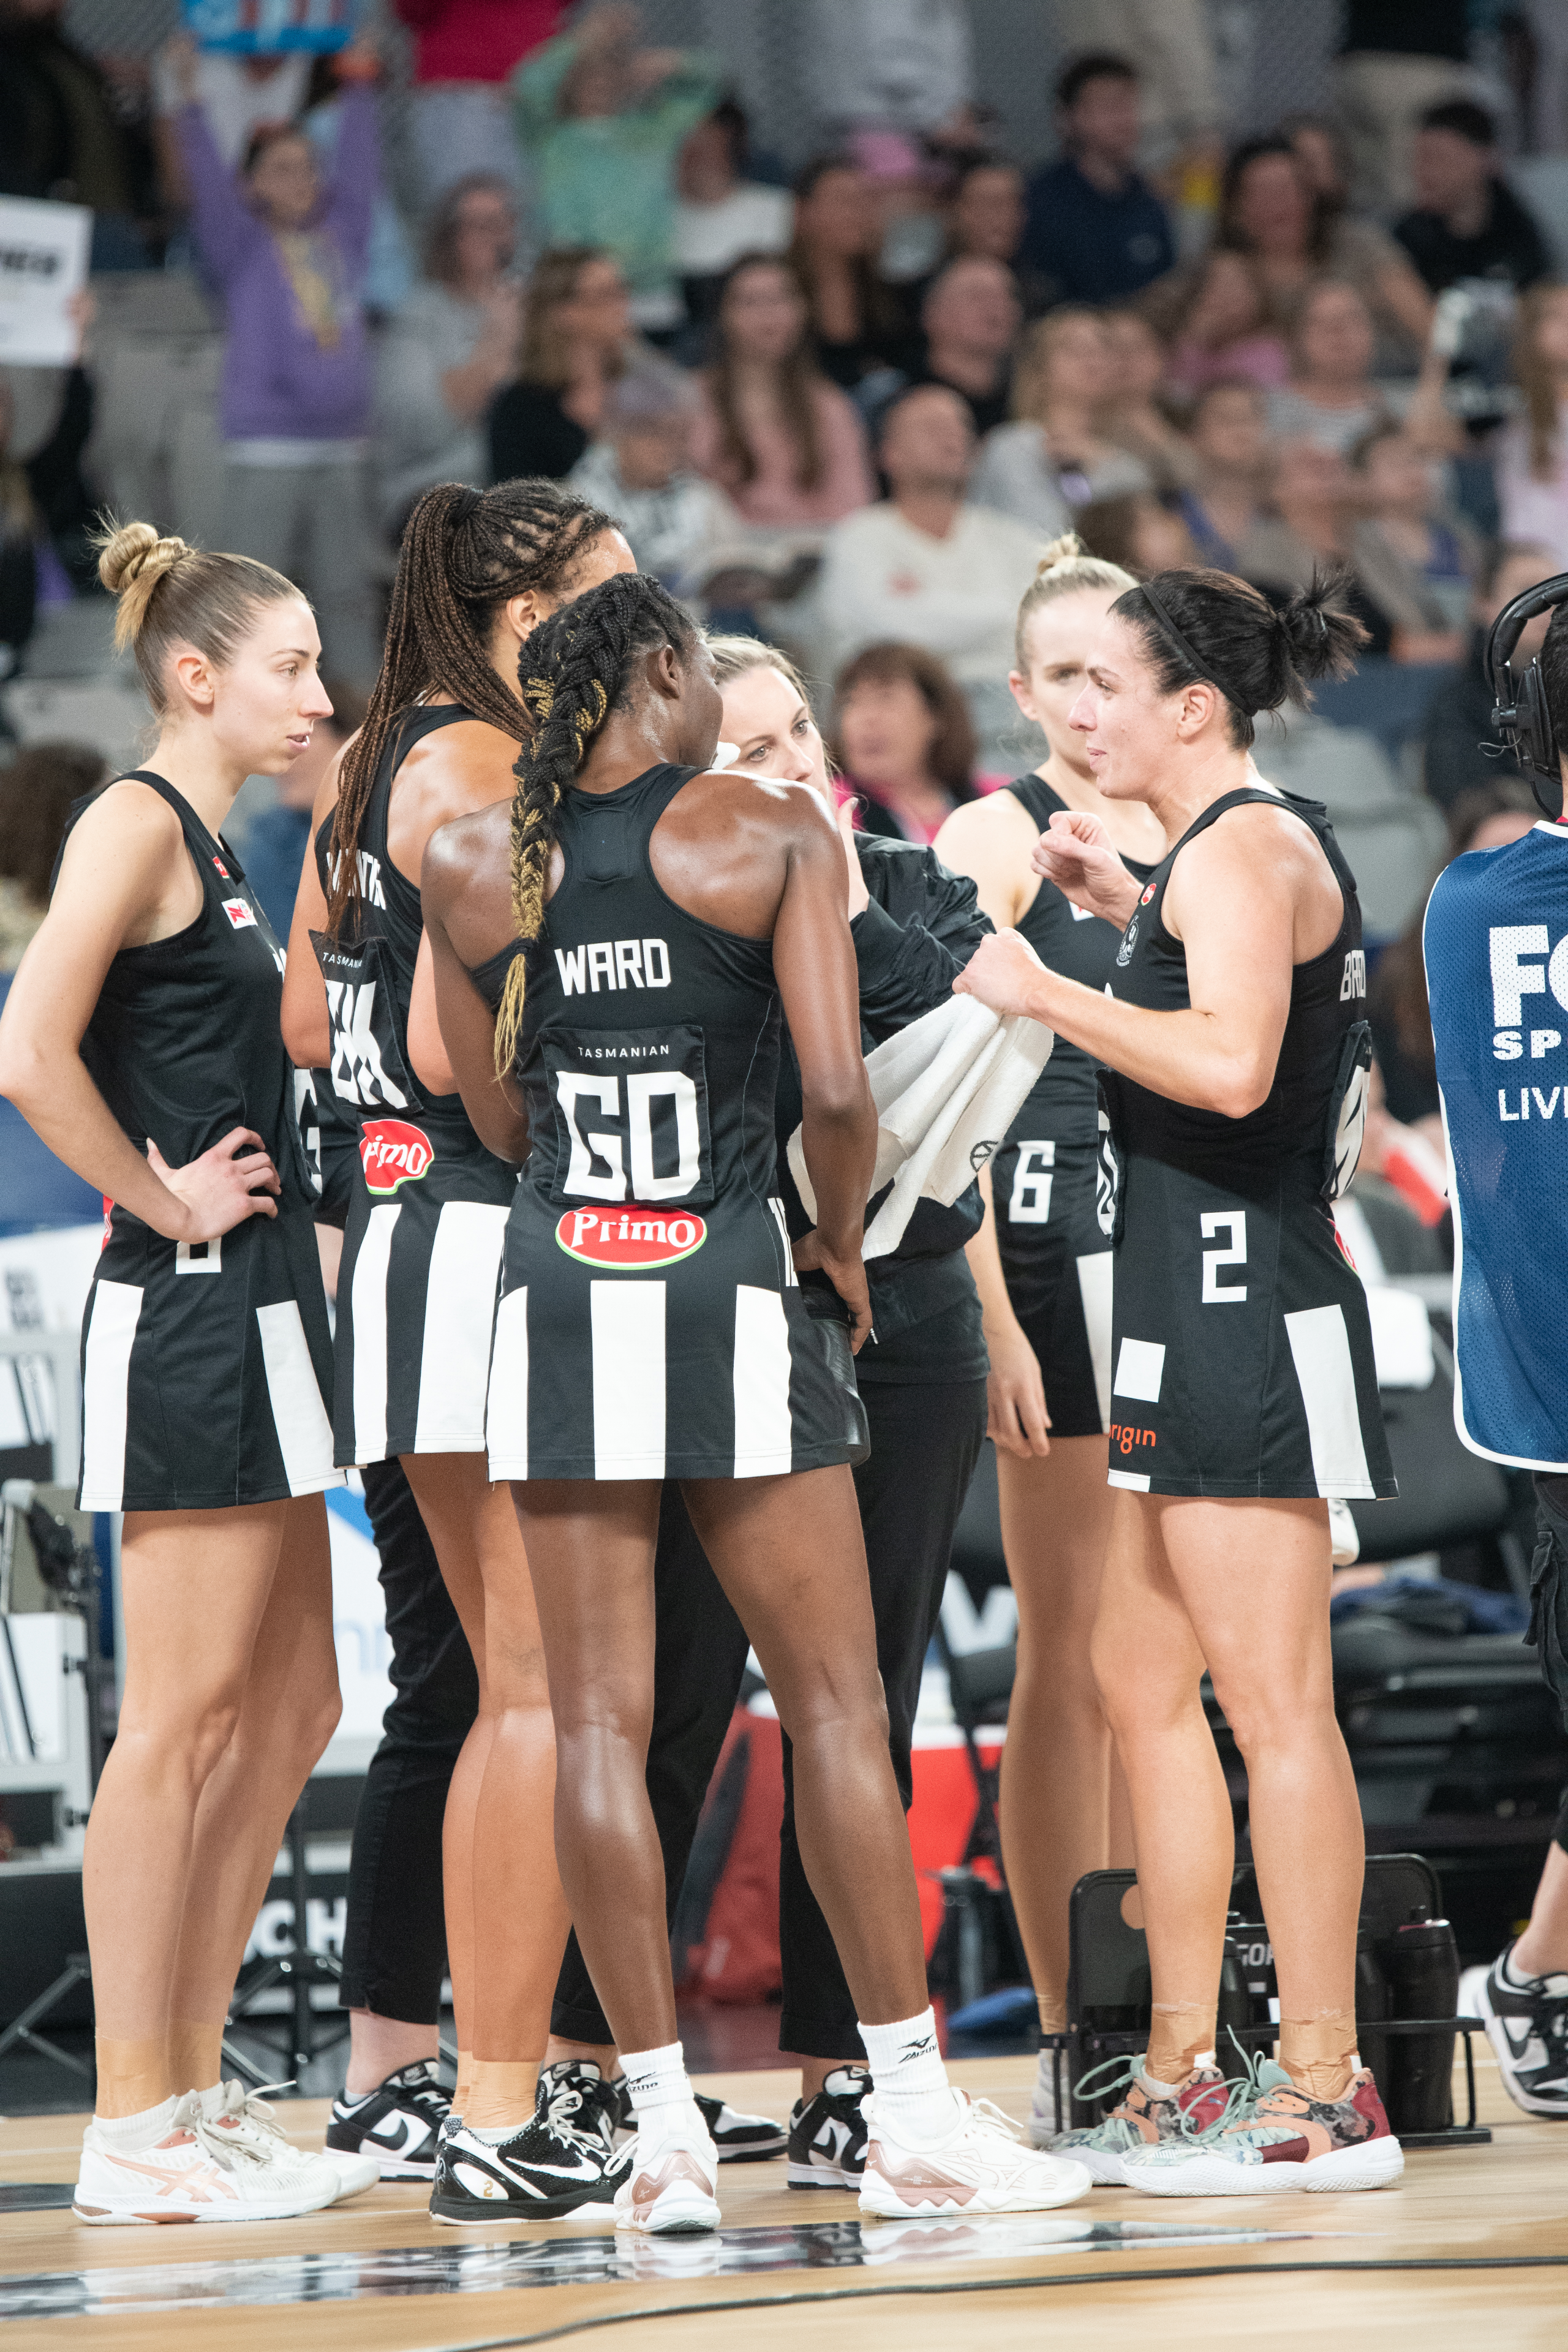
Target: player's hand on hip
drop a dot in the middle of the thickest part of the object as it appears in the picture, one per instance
(1002, 974)
(1015, 1414)
(846, 1273)
(1076, 853)
(233, 1181)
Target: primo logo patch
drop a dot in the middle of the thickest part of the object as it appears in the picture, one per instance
(629, 1238)
(394, 1153)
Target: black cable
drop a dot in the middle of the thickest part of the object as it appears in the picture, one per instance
(997, 2286)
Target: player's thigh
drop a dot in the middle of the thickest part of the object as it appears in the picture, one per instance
(591, 1546)
(790, 1555)
(1254, 1579)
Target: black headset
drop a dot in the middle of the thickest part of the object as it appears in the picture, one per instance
(1521, 717)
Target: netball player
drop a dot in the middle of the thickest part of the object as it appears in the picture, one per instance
(1236, 1059)
(650, 1326)
(1042, 1263)
(140, 1040)
(423, 1240)
(922, 1382)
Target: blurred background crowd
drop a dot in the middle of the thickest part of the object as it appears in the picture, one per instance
(845, 308)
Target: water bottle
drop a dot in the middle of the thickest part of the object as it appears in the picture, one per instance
(1373, 2003)
(1235, 2010)
(1421, 1962)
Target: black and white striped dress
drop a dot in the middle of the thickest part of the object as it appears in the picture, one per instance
(422, 1241)
(206, 1366)
(650, 1322)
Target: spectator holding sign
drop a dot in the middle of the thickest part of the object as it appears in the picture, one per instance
(287, 254)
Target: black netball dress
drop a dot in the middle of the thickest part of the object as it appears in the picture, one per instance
(1242, 1360)
(206, 1366)
(650, 1323)
(422, 1243)
(1056, 1256)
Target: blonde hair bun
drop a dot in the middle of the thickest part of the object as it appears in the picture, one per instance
(133, 558)
(1065, 549)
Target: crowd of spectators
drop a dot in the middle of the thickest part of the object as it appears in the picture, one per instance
(847, 406)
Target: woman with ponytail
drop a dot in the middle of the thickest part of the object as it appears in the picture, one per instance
(611, 966)
(1042, 1266)
(1236, 1056)
(140, 1040)
(415, 1295)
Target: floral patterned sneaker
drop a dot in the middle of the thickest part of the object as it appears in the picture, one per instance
(1143, 2119)
(1273, 2139)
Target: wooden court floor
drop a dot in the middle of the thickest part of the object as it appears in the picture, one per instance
(1471, 2251)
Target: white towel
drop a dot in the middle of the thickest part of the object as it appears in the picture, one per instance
(947, 1088)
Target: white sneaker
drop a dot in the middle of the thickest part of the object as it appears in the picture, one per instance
(1044, 2122)
(981, 2167)
(192, 2175)
(244, 2118)
(669, 2184)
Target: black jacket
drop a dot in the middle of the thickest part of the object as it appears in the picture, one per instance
(920, 930)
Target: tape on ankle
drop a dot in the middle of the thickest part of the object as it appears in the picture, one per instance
(196, 2052)
(1319, 2053)
(1179, 2031)
(501, 2091)
(132, 2075)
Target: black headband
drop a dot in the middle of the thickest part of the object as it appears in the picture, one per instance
(1204, 670)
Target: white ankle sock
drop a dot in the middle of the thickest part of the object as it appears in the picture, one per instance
(1511, 1975)
(660, 2087)
(132, 2133)
(914, 2098)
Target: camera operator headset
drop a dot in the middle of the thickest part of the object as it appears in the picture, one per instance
(1496, 947)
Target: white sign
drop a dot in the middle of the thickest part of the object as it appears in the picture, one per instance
(43, 262)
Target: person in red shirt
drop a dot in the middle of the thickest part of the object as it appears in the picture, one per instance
(464, 54)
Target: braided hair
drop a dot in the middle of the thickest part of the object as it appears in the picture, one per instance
(572, 672)
(464, 552)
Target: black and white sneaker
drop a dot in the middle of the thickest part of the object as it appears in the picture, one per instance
(564, 2163)
(1527, 2025)
(739, 2138)
(399, 2123)
(827, 2135)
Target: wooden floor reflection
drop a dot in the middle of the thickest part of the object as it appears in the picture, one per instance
(1117, 2269)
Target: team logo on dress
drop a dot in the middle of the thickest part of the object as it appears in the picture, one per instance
(629, 1237)
(394, 1153)
(1125, 952)
(239, 914)
(1148, 894)
(221, 867)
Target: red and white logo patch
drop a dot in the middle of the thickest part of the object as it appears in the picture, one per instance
(239, 914)
(394, 1153)
(628, 1238)
(1148, 894)
(221, 867)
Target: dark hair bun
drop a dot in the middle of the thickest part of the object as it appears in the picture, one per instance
(1260, 654)
(1322, 638)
